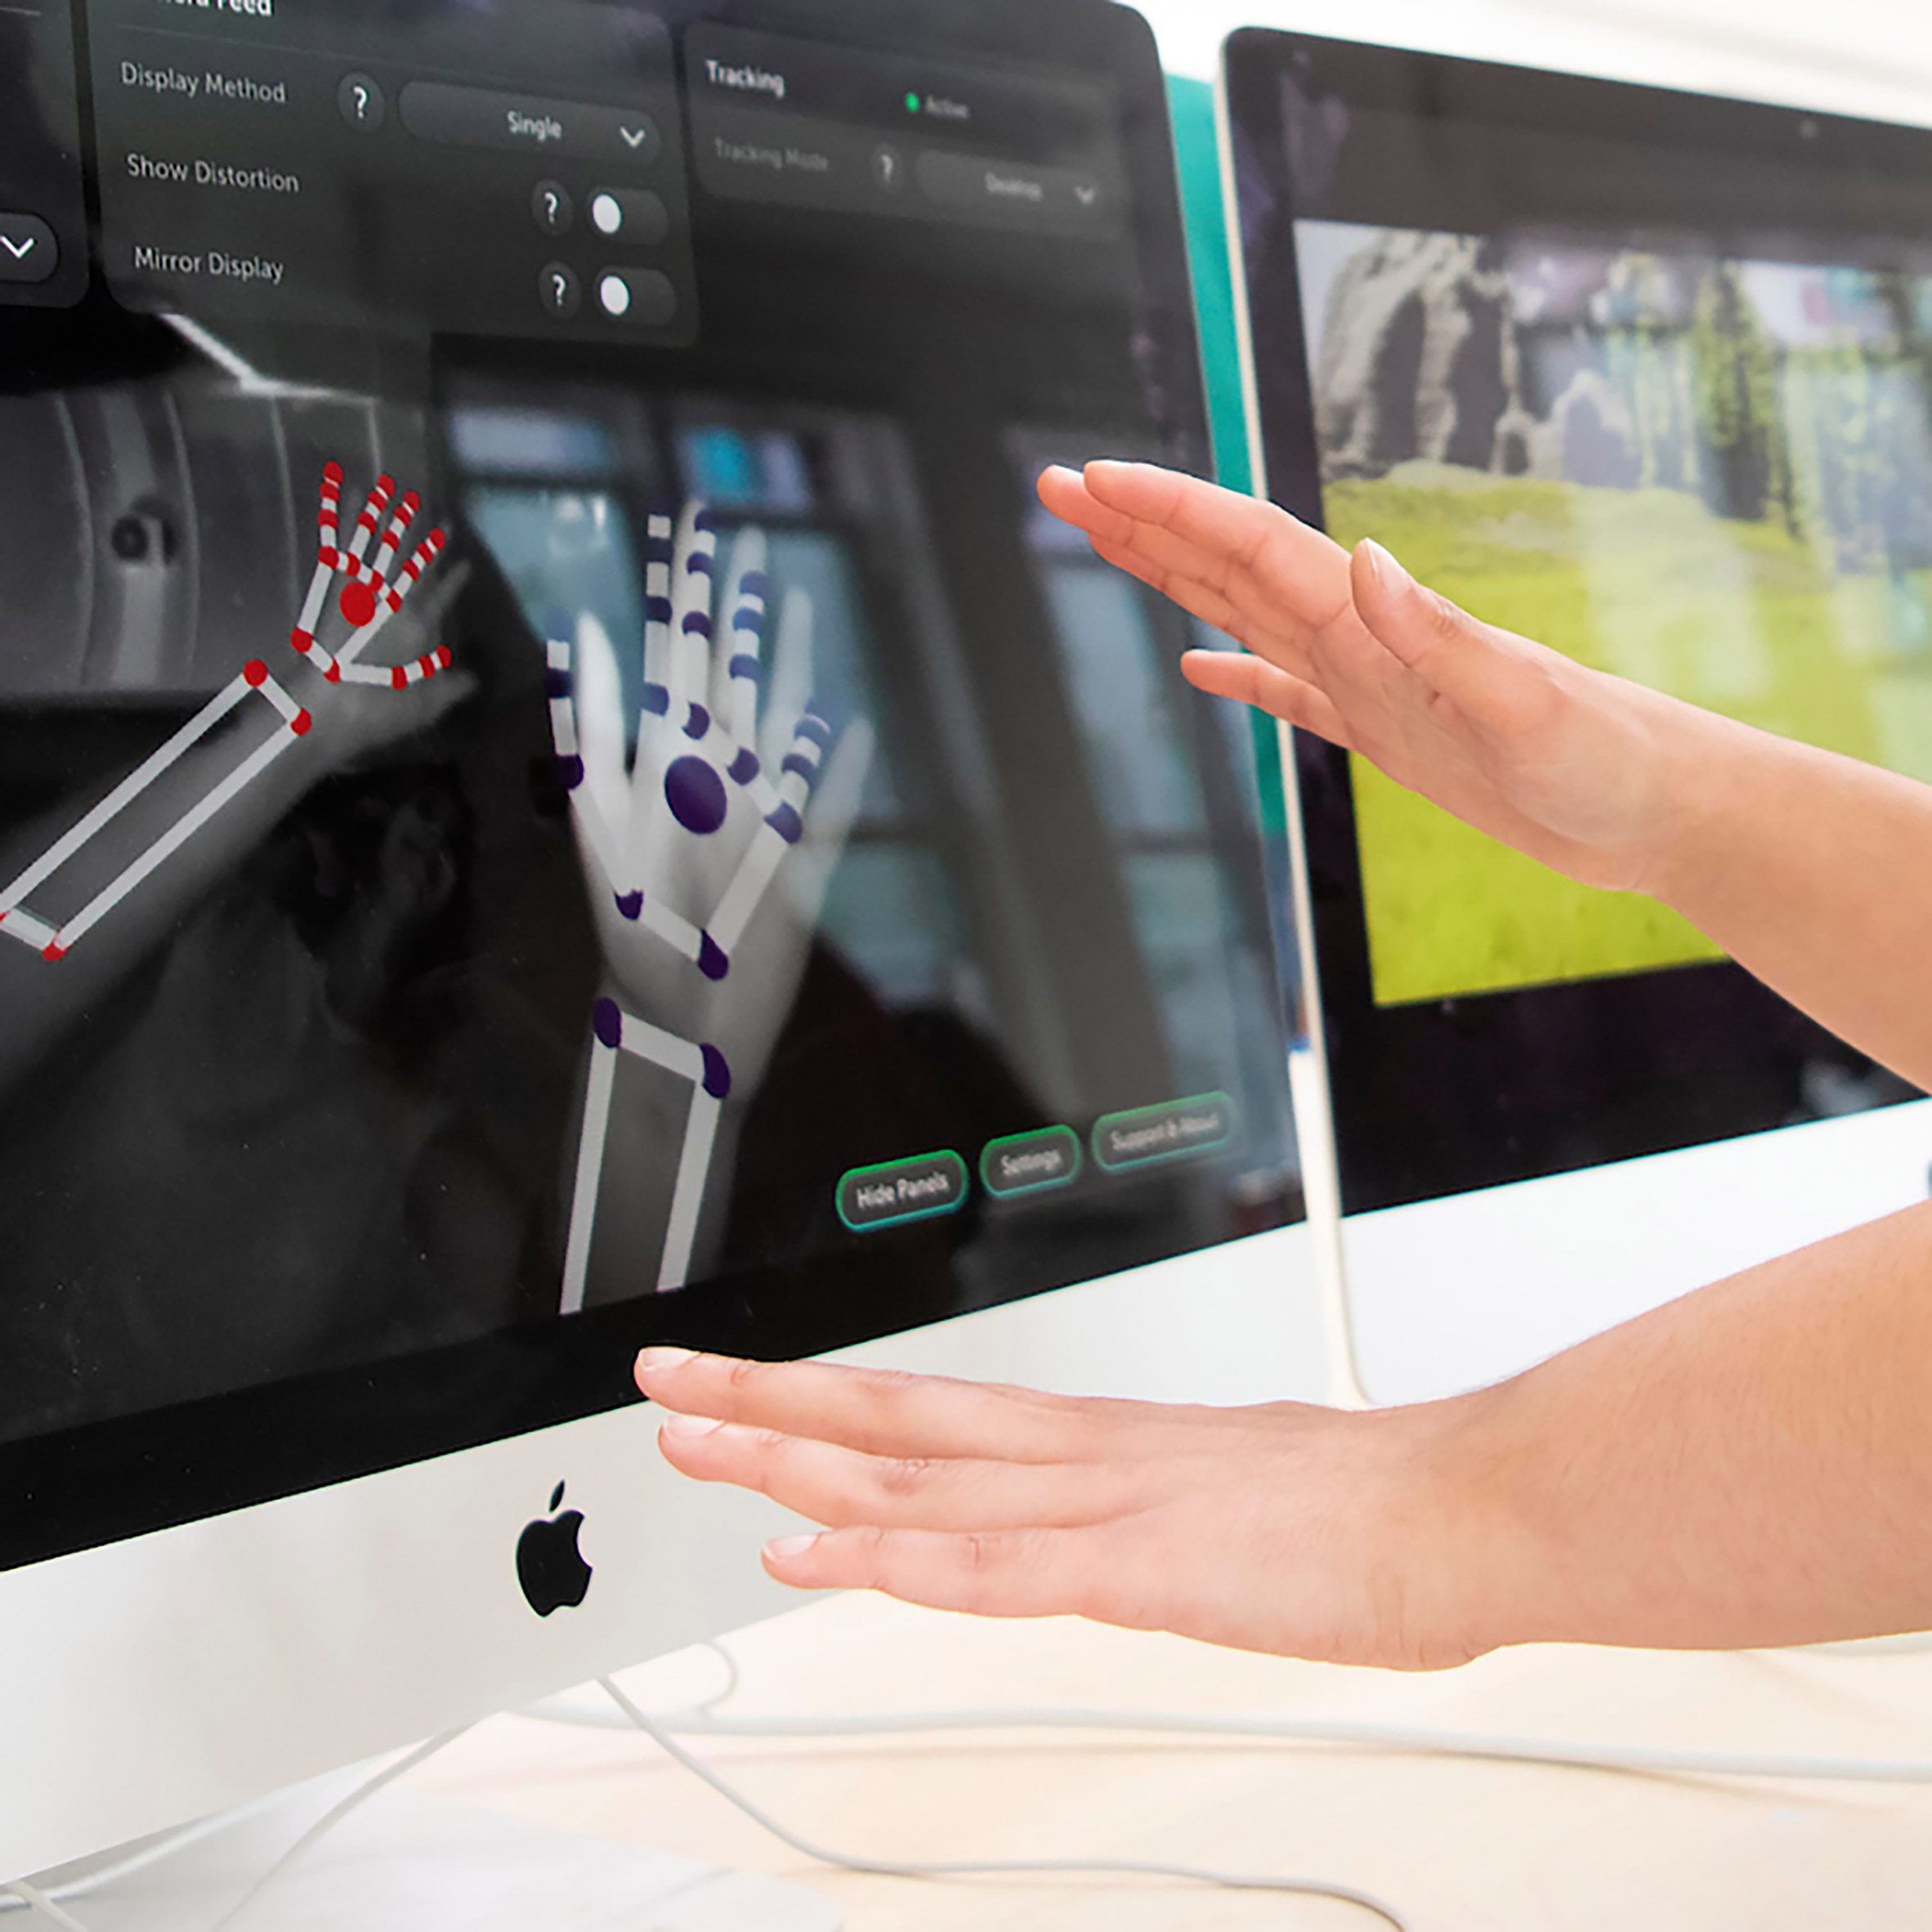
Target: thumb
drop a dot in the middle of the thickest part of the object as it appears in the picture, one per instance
(834, 816)
(1475, 666)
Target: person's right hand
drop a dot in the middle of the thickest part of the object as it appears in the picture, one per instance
(1583, 772)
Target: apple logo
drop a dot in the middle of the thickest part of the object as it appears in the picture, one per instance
(549, 1564)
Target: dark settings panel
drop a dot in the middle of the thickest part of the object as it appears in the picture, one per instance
(781, 120)
(487, 172)
(277, 163)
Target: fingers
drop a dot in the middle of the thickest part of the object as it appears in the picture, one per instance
(788, 695)
(372, 513)
(1249, 681)
(1281, 643)
(1032, 1573)
(1133, 506)
(1484, 672)
(845, 1488)
(660, 555)
(436, 699)
(693, 573)
(599, 689)
(588, 811)
(835, 813)
(881, 1415)
(738, 662)
(798, 777)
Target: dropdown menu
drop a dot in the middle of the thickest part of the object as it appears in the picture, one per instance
(526, 123)
(43, 216)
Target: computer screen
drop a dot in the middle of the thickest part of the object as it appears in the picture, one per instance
(557, 790)
(1648, 378)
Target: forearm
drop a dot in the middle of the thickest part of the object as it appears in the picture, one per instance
(1811, 870)
(1749, 1467)
(42, 999)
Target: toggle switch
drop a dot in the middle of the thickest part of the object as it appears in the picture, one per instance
(630, 215)
(640, 295)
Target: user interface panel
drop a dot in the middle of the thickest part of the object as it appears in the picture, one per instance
(557, 789)
(1648, 378)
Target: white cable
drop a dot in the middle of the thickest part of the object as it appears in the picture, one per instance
(734, 1678)
(1016, 1868)
(22, 1897)
(335, 1816)
(703, 1721)
(565, 1710)
(1394, 1739)
(26, 1899)
(157, 1852)
(47, 1905)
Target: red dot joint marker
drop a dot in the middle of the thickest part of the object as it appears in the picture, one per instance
(367, 603)
(358, 605)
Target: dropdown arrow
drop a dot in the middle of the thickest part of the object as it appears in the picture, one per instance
(29, 250)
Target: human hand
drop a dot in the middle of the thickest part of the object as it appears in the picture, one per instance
(677, 835)
(1357, 1539)
(1591, 775)
(364, 702)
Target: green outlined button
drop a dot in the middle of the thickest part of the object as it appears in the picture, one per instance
(924, 1189)
(1149, 1136)
(1032, 1163)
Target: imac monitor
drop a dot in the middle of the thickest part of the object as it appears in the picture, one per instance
(1645, 376)
(558, 792)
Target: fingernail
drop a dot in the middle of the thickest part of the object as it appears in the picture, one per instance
(1382, 566)
(1062, 472)
(689, 1428)
(661, 1361)
(783, 1548)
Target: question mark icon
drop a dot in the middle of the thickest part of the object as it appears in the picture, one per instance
(361, 102)
(562, 293)
(888, 166)
(553, 208)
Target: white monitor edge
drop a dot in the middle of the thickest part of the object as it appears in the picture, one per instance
(1314, 1118)
(1458, 1294)
(167, 1679)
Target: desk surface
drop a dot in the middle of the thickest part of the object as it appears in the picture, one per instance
(1460, 1847)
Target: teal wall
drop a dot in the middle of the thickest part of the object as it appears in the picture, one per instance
(1198, 151)
(1197, 147)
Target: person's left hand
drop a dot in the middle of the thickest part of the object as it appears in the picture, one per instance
(1352, 1539)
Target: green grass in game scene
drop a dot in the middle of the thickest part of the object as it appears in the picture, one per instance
(1747, 619)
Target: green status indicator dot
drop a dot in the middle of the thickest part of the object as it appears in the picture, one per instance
(912, 104)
